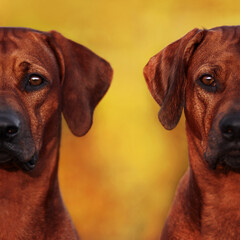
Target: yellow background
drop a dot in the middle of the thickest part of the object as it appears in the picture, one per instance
(118, 181)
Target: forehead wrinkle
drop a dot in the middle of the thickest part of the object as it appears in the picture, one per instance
(210, 53)
(41, 55)
(26, 59)
(30, 47)
(44, 54)
(25, 42)
(18, 39)
(21, 67)
(6, 43)
(229, 36)
(24, 67)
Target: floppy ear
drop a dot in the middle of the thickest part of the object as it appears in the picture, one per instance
(165, 76)
(85, 78)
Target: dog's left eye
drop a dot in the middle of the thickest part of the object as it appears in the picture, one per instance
(35, 80)
(208, 80)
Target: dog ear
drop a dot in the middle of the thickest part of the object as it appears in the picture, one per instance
(165, 76)
(85, 78)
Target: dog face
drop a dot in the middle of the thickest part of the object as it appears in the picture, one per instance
(212, 94)
(41, 75)
(200, 72)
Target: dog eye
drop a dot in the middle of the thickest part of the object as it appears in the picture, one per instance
(208, 80)
(35, 80)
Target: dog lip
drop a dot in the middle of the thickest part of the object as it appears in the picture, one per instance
(231, 158)
(234, 152)
(5, 156)
(234, 163)
(228, 156)
(31, 164)
(9, 157)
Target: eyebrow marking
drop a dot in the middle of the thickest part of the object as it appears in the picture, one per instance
(25, 66)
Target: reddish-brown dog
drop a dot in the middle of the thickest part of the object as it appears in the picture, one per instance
(41, 75)
(201, 73)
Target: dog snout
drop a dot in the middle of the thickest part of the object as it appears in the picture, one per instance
(9, 126)
(230, 127)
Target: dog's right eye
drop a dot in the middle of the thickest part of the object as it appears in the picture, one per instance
(208, 80)
(34, 82)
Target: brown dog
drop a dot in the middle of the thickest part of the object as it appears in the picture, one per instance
(201, 73)
(42, 75)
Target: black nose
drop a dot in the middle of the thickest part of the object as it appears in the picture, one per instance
(230, 127)
(9, 126)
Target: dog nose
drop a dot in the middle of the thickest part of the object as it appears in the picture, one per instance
(9, 126)
(230, 127)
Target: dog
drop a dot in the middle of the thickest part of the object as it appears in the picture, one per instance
(42, 74)
(200, 73)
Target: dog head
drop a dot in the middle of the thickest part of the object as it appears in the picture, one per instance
(200, 73)
(41, 75)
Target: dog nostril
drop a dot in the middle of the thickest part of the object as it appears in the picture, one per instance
(12, 130)
(230, 127)
(9, 126)
(228, 133)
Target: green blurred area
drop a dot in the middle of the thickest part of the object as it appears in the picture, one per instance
(118, 181)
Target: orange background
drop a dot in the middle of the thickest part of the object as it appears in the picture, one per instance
(118, 181)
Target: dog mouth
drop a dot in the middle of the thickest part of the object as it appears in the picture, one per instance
(9, 160)
(5, 156)
(231, 159)
(234, 153)
(227, 158)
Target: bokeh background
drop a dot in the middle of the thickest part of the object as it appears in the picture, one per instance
(118, 181)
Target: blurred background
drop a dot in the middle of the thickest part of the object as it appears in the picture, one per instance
(118, 181)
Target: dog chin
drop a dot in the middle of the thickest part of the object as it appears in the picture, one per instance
(232, 161)
(228, 160)
(12, 163)
(5, 157)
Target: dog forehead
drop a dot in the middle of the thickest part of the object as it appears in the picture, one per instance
(26, 45)
(220, 47)
(17, 38)
(222, 40)
(24, 41)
